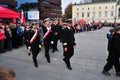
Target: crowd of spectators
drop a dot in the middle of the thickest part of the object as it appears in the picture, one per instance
(87, 26)
(12, 35)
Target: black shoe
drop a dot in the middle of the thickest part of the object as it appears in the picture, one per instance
(106, 73)
(48, 60)
(36, 65)
(118, 74)
(56, 50)
(2, 51)
(64, 60)
(69, 67)
(29, 54)
(53, 51)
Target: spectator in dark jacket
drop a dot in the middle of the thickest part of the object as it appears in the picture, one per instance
(109, 37)
(8, 40)
(114, 54)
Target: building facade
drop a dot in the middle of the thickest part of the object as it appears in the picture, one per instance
(50, 8)
(102, 11)
(87, 1)
(9, 3)
(94, 1)
(46, 8)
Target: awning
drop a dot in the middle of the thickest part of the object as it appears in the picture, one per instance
(7, 13)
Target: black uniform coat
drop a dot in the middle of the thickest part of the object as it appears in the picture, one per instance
(36, 42)
(68, 38)
(49, 37)
(115, 45)
(26, 36)
(68, 41)
(56, 29)
(47, 42)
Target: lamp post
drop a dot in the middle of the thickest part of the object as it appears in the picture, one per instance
(92, 19)
(115, 13)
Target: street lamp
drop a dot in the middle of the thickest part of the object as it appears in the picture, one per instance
(92, 19)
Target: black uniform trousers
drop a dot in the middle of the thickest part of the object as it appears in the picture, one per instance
(35, 52)
(47, 47)
(68, 55)
(55, 44)
(112, 60)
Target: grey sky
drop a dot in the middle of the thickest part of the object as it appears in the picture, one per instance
(66, 2)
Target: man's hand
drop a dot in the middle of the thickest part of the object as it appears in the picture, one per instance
(56, 33)
(52, 42)
(74, 46)
(65, 49)
(29, 48)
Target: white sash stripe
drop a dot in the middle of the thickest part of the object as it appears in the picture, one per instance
(34, 36)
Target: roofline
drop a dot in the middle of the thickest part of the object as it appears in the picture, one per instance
(93, 3)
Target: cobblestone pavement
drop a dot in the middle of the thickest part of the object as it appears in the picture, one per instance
(87, 62)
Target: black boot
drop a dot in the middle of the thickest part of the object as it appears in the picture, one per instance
(35, 63)
(48, 59)
(67, 62)
(69, 67)
(106, 73)
(118, 74)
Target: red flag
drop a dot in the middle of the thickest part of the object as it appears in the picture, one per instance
(23, 18)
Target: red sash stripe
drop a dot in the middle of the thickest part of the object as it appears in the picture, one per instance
(46, 34)
(34, 37)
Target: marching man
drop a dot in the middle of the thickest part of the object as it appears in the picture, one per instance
(47, 38)
(34, 43)
(68, 41)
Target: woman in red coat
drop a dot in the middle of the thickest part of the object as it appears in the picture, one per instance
(2, 37)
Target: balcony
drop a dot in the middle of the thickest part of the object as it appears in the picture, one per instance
(49, 15)
(50, 11)
(50, 6)
(56, 2)
(9, 2)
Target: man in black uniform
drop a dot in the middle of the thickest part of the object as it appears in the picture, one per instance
(34, 43)
(26, 37)
(56, 34)
(68, 41)
(47, 38)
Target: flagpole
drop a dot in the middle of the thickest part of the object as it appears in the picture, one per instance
(21, 16)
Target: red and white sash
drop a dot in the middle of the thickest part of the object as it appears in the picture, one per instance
(46, 34)
(34, 36)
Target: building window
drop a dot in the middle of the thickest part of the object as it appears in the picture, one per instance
(112, 13)
(112, 7)
(99, 7)
(82, 8)
(93, 14)
(106, 7)
(77, 9)
(88, 8)
(99, 14)
(77, 15)
(119, 12)
(88, 14)
(82, 14)
(94, 8)
(106, 14)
